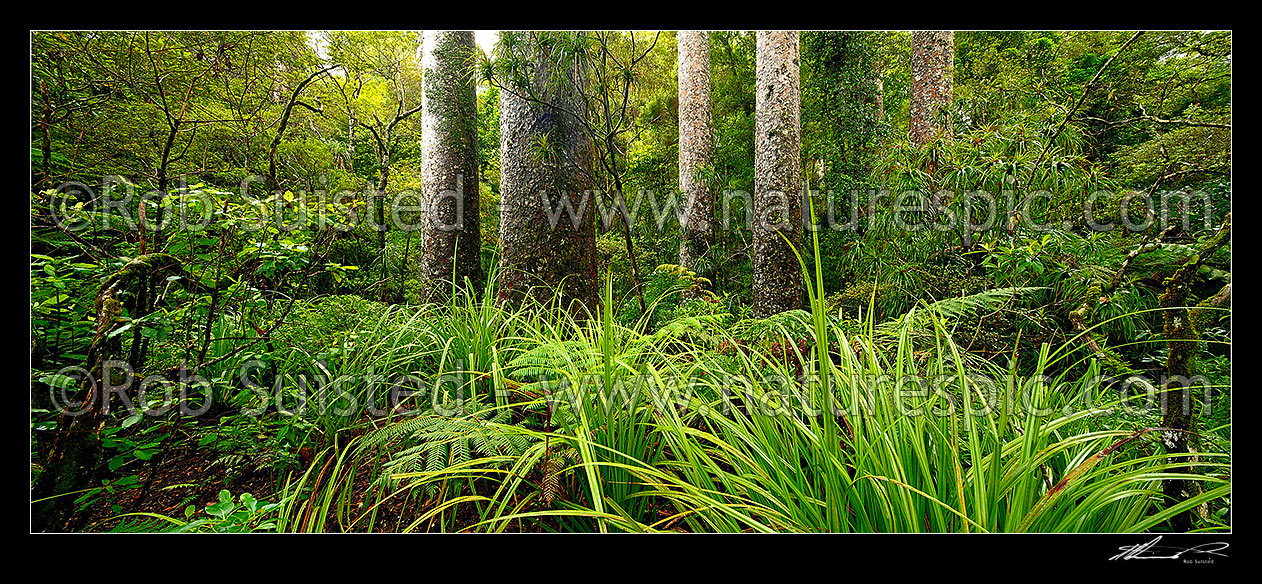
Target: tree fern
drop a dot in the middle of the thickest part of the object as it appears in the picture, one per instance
(958, 308)
(442, 442)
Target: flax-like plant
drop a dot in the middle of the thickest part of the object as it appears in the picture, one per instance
(696, 427)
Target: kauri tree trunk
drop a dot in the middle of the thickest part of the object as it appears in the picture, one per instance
(696, 151)
(451, 241)
(547, 220)
(777, 221)
(932, 66)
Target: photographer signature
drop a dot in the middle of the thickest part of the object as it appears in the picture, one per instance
(1152, 551)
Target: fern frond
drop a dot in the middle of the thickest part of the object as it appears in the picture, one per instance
(957, 308)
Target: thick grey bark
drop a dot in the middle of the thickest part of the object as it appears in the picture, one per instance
(696, 149)
(547, 218)
(777, 285)
(451, 241)
(932, 67)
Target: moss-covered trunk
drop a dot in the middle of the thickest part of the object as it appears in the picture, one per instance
(72, 453)
(1178, 402)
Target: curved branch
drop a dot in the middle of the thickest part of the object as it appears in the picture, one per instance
(284, 121)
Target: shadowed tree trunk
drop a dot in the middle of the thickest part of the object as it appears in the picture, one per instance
(547, 222)
(72, 454)
(932, 67)
(777, 221)
(451, 241)
(1178, 406)
(696, 150)
(880, 97)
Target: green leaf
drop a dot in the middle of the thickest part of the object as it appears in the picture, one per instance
(221, 508)
(117, 462)
(127, 481)
(118, 331)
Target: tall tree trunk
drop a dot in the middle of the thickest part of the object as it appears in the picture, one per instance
(880, 97)
(45, 142)
(777, 217)
(547, 222)
(350, 143)
(932, 67)
(696, 150)
(379, 203)
(451, 242)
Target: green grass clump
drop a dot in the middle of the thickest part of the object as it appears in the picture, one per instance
(825, 431)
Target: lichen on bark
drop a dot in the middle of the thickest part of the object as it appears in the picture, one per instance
(777, 221)
(547, 220)
(696, 150)
(451, 241)
(932, 67)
